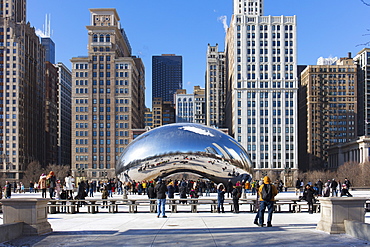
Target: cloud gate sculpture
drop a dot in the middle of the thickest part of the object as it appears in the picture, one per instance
(185, 147)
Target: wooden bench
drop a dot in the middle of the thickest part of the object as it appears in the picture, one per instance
(297, 208)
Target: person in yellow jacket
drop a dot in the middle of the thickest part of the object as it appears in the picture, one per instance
(267, 193)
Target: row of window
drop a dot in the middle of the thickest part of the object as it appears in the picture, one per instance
(101, 91)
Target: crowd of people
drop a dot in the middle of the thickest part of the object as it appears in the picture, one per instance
(331, 187)
(263, 189)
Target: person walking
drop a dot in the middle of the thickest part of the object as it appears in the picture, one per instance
(267, 193)
(160, 190)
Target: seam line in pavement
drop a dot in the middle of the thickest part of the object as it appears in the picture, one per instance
(155, 237)
(209, 230)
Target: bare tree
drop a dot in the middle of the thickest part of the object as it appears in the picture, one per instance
(352, 171)
(365, 171)
(60, 171)
(32, 172)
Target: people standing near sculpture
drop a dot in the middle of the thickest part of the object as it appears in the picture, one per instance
(36, 187)
(160, 190)
(57, 189)
(229, 188)
(334, 189)
(236, 193)
(69, 185)
(309, 196)
(8, 190)
(297, 186)
(42, 185)
(345, 191)
(347, 183)
(320, 187)
(267, 193)
(51, 181)
(31, 187)
(220, 198)
(171, 190)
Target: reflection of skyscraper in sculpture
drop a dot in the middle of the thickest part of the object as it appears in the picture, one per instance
(184, 147)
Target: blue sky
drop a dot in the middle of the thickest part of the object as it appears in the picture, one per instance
(325, 28)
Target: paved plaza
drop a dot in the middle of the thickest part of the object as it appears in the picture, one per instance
(185, 229)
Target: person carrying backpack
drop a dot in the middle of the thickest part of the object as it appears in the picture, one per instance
(267, 193)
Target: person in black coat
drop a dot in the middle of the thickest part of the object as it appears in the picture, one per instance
(236, 195)
(309, 196)
(161, 189)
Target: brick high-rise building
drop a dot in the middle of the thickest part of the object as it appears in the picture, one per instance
(215, 87)
(328, 110)
(107, 97)
(22, 91)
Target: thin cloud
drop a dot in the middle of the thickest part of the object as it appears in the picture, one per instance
(223, 20)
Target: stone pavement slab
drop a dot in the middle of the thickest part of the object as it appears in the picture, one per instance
(184, 229)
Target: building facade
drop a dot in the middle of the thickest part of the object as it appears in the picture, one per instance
(51, 114)
(166, 76)
(163, 112)
(357, 151)
(328, 107)
(215, 87)
(107, 97)
(22, 84)
(190, 108)
(64, 114)
(262, 88)
(362, 59)
(49, 46)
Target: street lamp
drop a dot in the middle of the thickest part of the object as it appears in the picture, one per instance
(287, 178)
(80, 172)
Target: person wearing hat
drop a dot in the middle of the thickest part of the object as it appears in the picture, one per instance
(160, 190)
(266, 202)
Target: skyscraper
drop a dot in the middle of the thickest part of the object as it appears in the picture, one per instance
(64, 114)
(49, 46)
(190, 108)
(22, 83)
(215, 87)
(362, 60)
(262, 86)
(107, 97)
(166, 76)
(327, 110)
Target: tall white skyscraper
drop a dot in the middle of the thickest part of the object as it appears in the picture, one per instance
(262, 85)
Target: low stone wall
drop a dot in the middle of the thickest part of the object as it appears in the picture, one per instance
(10, 231)
(357, 229)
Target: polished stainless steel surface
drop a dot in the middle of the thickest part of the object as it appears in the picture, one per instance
(184, 147)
